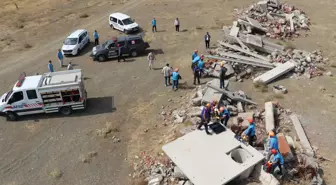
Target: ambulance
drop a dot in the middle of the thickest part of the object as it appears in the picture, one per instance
(61, 92)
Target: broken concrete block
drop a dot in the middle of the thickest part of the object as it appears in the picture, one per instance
(234, 31)
(196, 101)
(195, 120)
(179, 174)
(231, 108)
(271, 75)
(302, 136)
(155, 179)
(195, 112)
(245, 116)
(240, 107)
(290, 141)
(263, 177)
(212, 94)
(269, 116)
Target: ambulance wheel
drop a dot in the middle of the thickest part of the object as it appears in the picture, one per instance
(11, 116)
(65, 111)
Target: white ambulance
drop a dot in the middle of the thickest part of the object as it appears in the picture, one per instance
(61, 91)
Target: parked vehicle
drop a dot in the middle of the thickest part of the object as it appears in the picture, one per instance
(123, 23)
(133, 45)
(75, 42)
(61, 91)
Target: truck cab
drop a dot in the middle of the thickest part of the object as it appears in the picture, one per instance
(40, 94)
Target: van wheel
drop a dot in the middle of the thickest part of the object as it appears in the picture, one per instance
(134, 53)
(101, 58)
(65, 111)
(11, 116)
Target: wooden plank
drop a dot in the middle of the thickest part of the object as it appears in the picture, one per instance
(240, 61)
(242, 50)
(231, 95)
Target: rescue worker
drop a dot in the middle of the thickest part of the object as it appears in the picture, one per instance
(277, 161)
(166, 73)
(50, 66)
(60, 57)
(222, 75)
(120, 53)
(201, 64)
(194, 55)
(195, 59)
(250, 131)
(197, 74)
(206, 116)
(224, 115)
(176, 77)
(272, 144)
(96, 37)
(154, 25)
(213, 105)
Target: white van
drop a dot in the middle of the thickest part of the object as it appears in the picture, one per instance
(123, 23)
(75, 42)
(61, 91)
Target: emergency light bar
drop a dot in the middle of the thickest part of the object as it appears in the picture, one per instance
(21, 79)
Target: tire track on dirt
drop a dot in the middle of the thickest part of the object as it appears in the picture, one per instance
(34, 54)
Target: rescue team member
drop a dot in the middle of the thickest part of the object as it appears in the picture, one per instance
(201, 64)
(222, 75)
(176, 77)
(224, 115)
(213, 105)
(194, 55)
(250, 131)
(195, 59)
(166, 73)
(206, 116)
(60, 57)
(120, 53)
(277, 161)
(197, 74)
(272, 144)
(50, 67)
(96, 37)
(154, 25)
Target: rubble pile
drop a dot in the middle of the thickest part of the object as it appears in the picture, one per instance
(275, 19)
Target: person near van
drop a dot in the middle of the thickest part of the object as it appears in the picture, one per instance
(96, 37)
(50, 67)
(60, 57)
(166, 70)
(120, 53)
(176, 77)
(150, 58)
(154, 25)
(70, 67)
(207, 38)
(177, 24)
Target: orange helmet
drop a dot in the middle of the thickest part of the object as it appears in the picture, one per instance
(176, 69)
(208, 105)
(221, 109)
(250, 120)
(274, 151)
(271, 133)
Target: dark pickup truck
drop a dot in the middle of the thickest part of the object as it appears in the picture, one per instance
(133, 45)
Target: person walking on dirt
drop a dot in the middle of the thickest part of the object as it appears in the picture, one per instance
(222, 76)
(176, 77)
(150, 58)
(177, 24)
(207, 38)
(166, 73)
(70, 67)
(154, 25)
(197, 74)
(50, 67)
(96, 37)
(120, 53)
(60, 57)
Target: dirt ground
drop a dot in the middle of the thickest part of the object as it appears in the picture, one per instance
(31, 31)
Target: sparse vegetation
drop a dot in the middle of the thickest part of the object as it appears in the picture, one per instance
(106, 130)
(84, 15)
(56, 173)
(261, 86)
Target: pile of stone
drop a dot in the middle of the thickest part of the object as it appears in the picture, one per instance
(277, 20)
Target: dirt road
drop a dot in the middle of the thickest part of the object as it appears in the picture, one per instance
(36, 145)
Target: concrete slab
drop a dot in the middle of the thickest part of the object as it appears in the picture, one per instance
(207, 159)
(276, 72)
(254, 23)
(229, 68)
(211, 94)
(269, 116)
(234, 31)
(302, 136)
(254, 40)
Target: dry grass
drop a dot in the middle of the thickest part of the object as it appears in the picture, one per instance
(84, 15)
(261, 86)
(56, 173)
(106, 130)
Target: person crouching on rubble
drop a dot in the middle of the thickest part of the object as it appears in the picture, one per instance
(224, 115)
(277, 161)
(206, 116)
(250, 131)
(272, 144)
